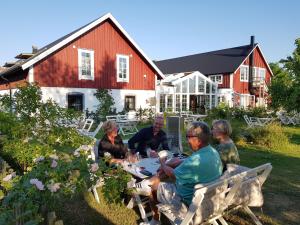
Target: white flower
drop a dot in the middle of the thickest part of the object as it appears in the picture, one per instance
(47, 122)
(76, 153)
(53, 156)
(107, 155)
(39, 185)
(9, 176)
(53, 164)
(39, 159)
(85, 147)
(94, 167)
(53, 187)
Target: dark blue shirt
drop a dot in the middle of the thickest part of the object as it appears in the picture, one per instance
(146, 139)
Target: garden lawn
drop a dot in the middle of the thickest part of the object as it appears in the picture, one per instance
(281, 190)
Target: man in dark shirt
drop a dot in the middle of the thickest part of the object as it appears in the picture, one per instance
(149, 138)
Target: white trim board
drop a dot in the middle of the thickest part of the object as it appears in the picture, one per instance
(84, 30)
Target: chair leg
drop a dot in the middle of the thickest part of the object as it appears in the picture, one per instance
(130, 204)
(94, 190)
(141, 208)
(222, 221)
(251, 214)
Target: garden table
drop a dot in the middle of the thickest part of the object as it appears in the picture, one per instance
(149, 164)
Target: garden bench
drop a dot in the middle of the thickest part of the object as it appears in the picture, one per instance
(239, 187)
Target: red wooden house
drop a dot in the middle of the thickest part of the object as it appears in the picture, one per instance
(101, 55)
(242, 73)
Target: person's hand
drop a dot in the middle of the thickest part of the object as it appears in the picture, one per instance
(163, 160)
(153, 154)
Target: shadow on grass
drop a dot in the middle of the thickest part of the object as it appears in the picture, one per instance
(282, 188)
(85, 210)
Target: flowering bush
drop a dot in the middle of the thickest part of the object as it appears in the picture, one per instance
(52, 178)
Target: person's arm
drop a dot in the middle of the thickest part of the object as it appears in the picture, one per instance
(169, 171)
(135, 139)
(114, 150)
(174, 162)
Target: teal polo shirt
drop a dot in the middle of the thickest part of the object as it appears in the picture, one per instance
(202, 166)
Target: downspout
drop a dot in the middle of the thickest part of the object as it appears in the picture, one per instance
(251, 65)
(10, 93)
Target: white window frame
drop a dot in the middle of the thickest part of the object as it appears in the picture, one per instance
(247, 74)
(85, 77)
(126, 79)
(213, 78)
(265, 71)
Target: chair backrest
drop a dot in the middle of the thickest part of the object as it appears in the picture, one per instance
(122, 117)
(234, 188)
(246, 118)
(94, 151)
(95, 132)
(87, 125)
(174, 126)
(111, 118)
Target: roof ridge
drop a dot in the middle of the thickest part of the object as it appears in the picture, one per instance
(202, 53)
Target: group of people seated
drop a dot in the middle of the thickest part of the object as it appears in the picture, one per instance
(175, 180)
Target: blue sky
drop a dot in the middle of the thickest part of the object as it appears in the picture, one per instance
(162, 28)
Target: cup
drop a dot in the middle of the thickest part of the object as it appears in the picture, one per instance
(163, 154)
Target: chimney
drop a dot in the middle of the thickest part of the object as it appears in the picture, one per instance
(34, 49)
(251, 63)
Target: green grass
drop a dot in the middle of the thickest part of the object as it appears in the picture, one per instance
(281, 190)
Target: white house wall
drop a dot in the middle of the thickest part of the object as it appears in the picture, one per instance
(59, 95)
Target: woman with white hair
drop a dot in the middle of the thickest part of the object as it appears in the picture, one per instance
(221, 131)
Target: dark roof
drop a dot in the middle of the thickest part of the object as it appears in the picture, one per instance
(215, 62)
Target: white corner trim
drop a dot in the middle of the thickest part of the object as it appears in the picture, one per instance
(31, 75)
(82, 31)
(84, 77)
(119, 56)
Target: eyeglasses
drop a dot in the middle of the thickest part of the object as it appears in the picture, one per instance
(190, 136)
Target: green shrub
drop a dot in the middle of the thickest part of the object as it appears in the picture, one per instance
(270, 136)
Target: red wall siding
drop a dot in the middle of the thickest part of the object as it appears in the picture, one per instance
(61, 68)
(17, 79)
(226, 81)
(243, 87)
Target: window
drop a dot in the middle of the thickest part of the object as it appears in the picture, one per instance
(129, 103)
(162, 103)
(75, 101)
(192, 83)
(122, 68)
(170, 102)
(262, 74)
(201, 84)
(244, 73)
(184, 86)
(207, 89)
(177, 103)
(184, 102)
(217, 78)
(178, 88)
(86, 64)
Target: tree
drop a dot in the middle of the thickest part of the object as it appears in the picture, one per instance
(106, 102)
(285, 85)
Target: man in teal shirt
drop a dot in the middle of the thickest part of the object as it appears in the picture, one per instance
(203, 166)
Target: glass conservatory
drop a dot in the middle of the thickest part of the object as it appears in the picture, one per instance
(187, 92)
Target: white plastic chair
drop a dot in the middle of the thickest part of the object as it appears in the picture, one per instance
(233, 190)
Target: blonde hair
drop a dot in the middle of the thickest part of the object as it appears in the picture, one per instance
(108, 126)
(223, 126)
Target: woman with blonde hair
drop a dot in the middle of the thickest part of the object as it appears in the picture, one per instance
(111, 142)
(221, 130)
